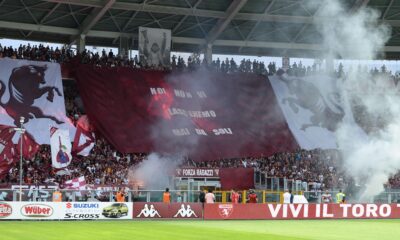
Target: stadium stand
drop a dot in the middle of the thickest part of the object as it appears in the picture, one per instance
(318, 169)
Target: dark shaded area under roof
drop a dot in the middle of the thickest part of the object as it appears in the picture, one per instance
(246, 27)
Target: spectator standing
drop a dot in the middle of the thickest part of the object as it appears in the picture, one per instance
(166, 196)
(179, 197)
(234, 196)
(252, 198)
(326, 197)
(340, 197)
(287, 196)
(202, 197)
(57, 196)
(210, 197)
(120, 196)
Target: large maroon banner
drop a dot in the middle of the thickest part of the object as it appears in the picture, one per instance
(205, 115)
(301, 211)
(236, 178)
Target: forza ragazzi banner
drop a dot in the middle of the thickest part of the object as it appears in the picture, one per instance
(301, 211)
(197, 172)
(65, 210)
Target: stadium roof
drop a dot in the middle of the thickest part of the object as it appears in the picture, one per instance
(247, 27)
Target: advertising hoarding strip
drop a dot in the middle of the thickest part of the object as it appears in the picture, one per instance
(218, 211)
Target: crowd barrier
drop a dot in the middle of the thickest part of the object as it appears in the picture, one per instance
(218, 211)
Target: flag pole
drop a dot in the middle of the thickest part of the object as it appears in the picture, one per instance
(21, 131)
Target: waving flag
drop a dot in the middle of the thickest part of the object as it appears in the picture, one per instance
(8, 156)
(60, 147)
(313, 108)
(32, 90)
(213, 117)
(84, 137)
(76, 184)
(29, 146)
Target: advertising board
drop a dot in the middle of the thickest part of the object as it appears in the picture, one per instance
(301, 211)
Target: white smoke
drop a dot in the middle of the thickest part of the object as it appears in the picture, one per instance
(155, 171)
(371, 159)
(351, 35)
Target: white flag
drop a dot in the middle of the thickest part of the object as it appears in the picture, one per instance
(312, 107)
(154, 46)
(60, 147)
(32, 90)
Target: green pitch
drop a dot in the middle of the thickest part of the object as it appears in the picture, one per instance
(210, 230)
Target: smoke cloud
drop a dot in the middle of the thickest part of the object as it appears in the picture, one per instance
(155, 171)
(170, 151)
(370, 159)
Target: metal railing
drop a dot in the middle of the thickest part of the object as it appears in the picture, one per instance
(278, 184)
(45, 195)
(264, 196)
(389, 196)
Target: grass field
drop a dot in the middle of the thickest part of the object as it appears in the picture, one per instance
(210, 230)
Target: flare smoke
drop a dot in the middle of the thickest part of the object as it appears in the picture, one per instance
(369, 159)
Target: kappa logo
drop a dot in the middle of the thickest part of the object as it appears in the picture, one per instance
(185, 212)
(225, 210)
(148, 212)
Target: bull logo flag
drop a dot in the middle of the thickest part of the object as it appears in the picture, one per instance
(24, 88)
(32, 90)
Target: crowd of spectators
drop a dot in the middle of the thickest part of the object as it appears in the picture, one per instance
(110, 59)
(103, 166)
(179, 64)
(37, 53)
(319, 168)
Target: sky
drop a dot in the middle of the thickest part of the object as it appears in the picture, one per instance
(391, 65)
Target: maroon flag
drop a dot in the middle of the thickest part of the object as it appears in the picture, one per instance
(29, 146)
(8, 156)
(205, 115)
(84, 137)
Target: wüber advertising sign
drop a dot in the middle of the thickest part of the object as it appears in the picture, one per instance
(197, 173)
(36, 210)
(30, 210)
